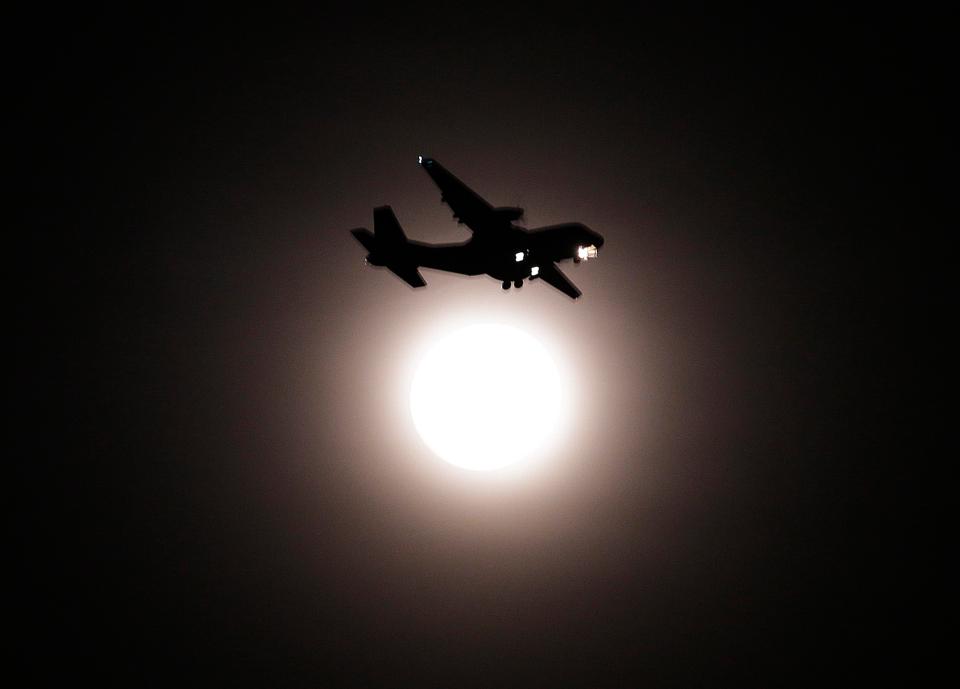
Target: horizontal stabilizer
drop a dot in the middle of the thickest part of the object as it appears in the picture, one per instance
(409, 274)
(387, 245)
(365, 237)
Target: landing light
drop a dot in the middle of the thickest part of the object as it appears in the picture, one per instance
(534, 270)
(420, 160)
(519, 256)
(585, 252)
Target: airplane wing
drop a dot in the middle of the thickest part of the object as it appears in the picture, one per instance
(467, 206)
(552, 276)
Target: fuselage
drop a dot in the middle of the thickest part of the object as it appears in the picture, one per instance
(513, 254)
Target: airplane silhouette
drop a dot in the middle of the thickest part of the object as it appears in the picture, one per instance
(498, 248)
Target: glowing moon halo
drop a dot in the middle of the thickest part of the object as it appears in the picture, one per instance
(487, 396)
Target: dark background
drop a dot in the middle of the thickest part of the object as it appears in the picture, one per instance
(217, 486)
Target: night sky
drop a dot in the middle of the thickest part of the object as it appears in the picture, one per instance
(221, 482)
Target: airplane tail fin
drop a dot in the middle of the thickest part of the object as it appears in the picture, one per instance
(386, 228)
(387, 246)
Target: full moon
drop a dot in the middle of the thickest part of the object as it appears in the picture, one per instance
(487, 396)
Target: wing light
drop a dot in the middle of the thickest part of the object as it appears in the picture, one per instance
(534, 270)
(519, 256)
(585, 252)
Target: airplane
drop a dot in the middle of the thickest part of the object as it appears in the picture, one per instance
(498, 247)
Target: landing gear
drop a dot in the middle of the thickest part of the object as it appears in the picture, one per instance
(506, 284)
(518, 283)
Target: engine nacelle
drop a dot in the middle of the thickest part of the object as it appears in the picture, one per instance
(508, 213)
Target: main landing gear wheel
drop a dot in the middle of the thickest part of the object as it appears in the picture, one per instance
(506, 284)
(518, 283)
